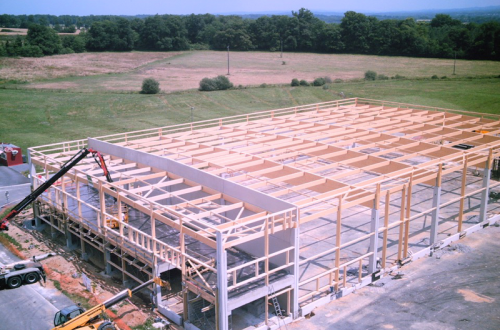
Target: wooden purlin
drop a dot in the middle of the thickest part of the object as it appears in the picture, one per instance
(285, 152)
(280, 125)
(144, 206)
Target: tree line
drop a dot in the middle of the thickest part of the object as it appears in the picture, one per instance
(442, 37)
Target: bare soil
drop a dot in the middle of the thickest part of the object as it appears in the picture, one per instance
(65, 270)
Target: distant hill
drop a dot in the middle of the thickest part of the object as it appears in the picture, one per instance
(473, 14)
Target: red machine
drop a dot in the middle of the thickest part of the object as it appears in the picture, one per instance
(10, 154)
(4, 224)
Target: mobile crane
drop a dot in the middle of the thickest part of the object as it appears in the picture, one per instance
(75, 317)
(99, 159)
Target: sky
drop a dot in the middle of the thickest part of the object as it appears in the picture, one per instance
(137, 7)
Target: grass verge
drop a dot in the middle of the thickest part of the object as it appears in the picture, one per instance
(37, 117)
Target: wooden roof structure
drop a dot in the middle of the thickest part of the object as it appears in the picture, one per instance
(306, 156)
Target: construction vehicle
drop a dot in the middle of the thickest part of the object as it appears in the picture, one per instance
(4, 224)
(16, 274)
(75, 317)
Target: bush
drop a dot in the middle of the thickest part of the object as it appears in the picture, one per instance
(263, 85)
(223, 83)
(326, 86)
(217, 83)
(338, 81)
(328, 80)
(319, 82)
(434, 77)
(295, 82)
(207, 85)
(399, 77)
(370, 75)
(31, 51)
(304, 83)
(382, 77)
(444, 77)
(150, 86)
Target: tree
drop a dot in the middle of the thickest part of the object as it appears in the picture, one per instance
(441, 20)
(331, 39)
(111, 35)
(356, 32)
(45, 38)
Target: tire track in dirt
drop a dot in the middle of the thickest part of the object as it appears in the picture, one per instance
(215, 102)
(292, 98)
(257, 98)
(163, 98)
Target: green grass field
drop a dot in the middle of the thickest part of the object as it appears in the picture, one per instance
(64, 108)
(36, 117)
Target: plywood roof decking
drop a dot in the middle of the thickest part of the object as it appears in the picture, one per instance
(308, 155)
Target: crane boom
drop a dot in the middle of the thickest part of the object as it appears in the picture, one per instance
(4, 224)
(82, 319)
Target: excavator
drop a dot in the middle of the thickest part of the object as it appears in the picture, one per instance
(75, 317)
(99, 159)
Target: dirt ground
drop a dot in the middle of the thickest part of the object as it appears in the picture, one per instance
(64, 272)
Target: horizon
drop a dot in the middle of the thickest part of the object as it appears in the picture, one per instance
(263, 7)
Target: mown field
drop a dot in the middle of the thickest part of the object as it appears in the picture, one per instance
(34, 113)
(179, 71)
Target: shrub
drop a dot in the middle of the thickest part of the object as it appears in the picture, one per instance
(263, 85)
(295, 82)
(31, 51)
(303, 83)
(328, 80)
(207, 84)
(319, 82)
(67, 50)
(326, 86)
(223, 83)
(434, 77)
(382, 77)
(444, 77)
(338, 81)
(150, 86)
(370, 75)
(218, 83)
(399, 77)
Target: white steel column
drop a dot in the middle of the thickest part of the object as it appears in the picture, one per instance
(222, 284)
(486, 184)
(296, 270)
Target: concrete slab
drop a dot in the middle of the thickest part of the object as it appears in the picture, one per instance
(457, 288)
(11, 177)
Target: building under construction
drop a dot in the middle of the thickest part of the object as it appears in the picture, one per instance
(257, 219)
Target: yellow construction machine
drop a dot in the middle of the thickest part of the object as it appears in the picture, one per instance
(75, 317)
(113, 210)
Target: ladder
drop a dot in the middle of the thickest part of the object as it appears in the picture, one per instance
(277, 307)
